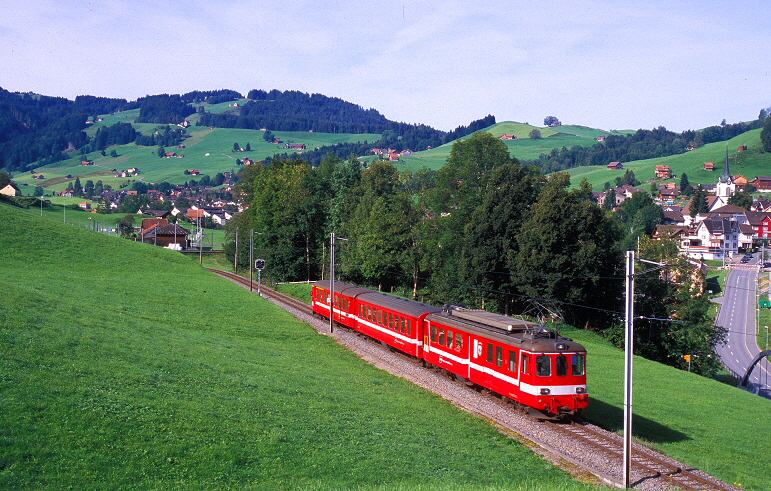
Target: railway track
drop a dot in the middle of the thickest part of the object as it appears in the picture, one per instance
(646, 465)
(265, 291)
(576, 440)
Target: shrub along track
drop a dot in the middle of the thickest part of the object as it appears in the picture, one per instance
(586, 451)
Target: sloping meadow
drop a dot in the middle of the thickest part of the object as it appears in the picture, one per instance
(126, 366)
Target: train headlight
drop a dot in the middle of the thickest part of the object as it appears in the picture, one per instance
(545, 392)
(580, 390)
(562, 346)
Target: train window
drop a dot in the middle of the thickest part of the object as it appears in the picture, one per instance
(489, 353)
(441, 337)
(498, 356)
(433, 334)
(561, 365)
(404, 325)
(512, 361)
(409, 327)
(577, 363)
(388, 319)
(449, 338)
(379, 316)
(458, 342)
(543, 365)
(525, 366)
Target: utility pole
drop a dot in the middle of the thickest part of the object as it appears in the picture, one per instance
(628, 352)
(628, 358)
(332, 280)
(251, 246)
(235, 255)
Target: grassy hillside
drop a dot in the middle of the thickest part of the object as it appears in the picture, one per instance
(750, 163)
(702, 422)
(127, 366)
(208, 150)
(523, 148)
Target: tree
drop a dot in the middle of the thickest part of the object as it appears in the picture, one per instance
(268, 136)
(535, 134)
(113, 153)
(161, 152)
(551, 121)
(126, 226)
(5, 179)
(38, 191)
(248, 147)
(698, 202)
(684, 184)
(765, 135)
(566, 248)
(77, 187)
(236, 147)
(742, 199)
(491, 234)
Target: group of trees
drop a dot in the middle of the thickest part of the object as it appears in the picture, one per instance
(481, 231)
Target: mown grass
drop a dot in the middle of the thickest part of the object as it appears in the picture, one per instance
(702, 422)
(126, 366)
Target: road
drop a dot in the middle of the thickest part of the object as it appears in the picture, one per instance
(737, 314)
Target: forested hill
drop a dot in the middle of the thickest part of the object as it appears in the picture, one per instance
(42, 130)
(297, 111)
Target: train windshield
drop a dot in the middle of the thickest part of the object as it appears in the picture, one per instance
(577, 364)
(561, 365)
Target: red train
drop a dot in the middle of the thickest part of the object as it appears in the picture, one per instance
(519, 360)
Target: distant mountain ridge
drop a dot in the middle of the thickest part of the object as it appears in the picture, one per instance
(39, 130)
(43, 130)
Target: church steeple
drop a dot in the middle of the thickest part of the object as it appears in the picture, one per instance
(726, 177)
(725, 187)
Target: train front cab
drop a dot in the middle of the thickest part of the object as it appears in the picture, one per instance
(554, 383)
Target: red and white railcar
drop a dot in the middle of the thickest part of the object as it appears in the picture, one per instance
(516, 359)
(519, 360)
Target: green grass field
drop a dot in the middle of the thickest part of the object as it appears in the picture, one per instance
(750, 163)
(127, 366)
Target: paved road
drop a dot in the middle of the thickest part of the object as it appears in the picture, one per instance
(737, 314)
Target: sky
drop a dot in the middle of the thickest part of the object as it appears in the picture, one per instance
(608, 65)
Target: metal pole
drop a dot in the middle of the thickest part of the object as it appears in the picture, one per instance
(629, 350)
(251, 261)
(200, 242)
(332, 282)
(259, 281)
(235, 256)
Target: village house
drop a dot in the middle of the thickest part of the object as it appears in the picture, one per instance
(663, 172)
(295, 146)
(10, 190)
(161, 233)
(761, 183)
(615, 166)
(709, 166)
(507, 136)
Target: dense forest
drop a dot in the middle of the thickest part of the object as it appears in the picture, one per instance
(482, 231)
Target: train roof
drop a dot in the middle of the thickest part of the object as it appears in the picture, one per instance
(379, 299)
(509, 330)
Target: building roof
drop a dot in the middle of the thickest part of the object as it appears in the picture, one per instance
(166, 230)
